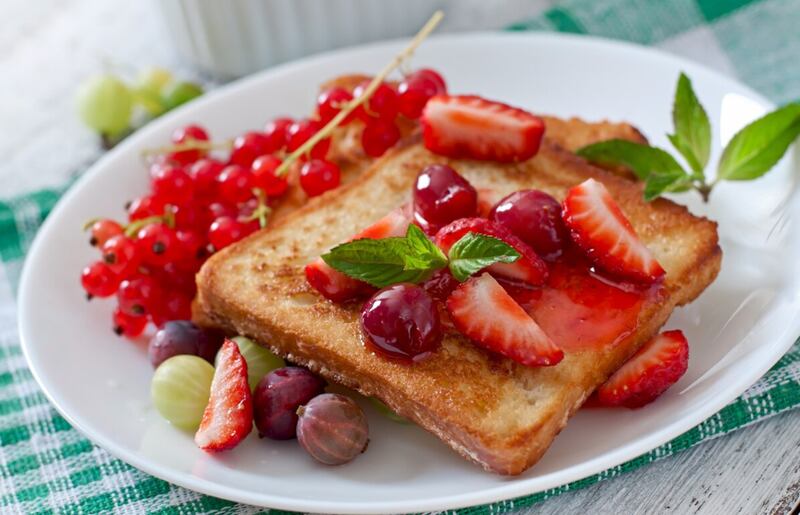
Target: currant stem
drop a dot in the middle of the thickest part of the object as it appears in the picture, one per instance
(189, 145)
(262, 210)
(326, 131)
(168, 218)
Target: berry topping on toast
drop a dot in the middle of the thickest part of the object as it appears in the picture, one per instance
(338, 287)
(465, 126)
(484, 312)
(649, 373)
(228, 417)
(599, 227)
(529, 268)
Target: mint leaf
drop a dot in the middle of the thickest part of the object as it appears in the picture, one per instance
(474, 252)
(641, 159)
(423, 252)
(759, 146)
(659, 183)
(388, 261)
(692, 136)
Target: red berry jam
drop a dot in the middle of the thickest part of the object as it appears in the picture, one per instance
(534, 217)
(401, 322)
(580, 309)
(441, 195)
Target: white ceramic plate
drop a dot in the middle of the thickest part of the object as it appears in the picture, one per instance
(738, 328)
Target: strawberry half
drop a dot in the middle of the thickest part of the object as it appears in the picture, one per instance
(599, 227)
(649, 373)
(529, 268)
(228, 417)
(338, 287)
(473, 127)
(482, 311)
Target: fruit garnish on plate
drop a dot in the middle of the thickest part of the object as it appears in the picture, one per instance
(228, 417)
(599, 227)
(650, 372)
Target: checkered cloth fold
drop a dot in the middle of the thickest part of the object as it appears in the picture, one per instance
(46, 466)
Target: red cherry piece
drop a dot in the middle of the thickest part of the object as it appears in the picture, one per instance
(264, 176)
(441, 196)
(98, 280)
(379, 135)
(382, 104)
(401, 322)
(275, 132)
(318, 176)
(127, 325)
(331, 101)
(102, 231)
(204, 175)
(300, 131)
(187, 135)
(535, 218)
(235, 184)
(249, 146)
(157, 244)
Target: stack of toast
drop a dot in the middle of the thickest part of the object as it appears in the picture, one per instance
(493, 411)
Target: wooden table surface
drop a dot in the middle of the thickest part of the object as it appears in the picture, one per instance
(49, 46)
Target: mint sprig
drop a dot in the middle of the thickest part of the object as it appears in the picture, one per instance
(414, 258)
(751, 153)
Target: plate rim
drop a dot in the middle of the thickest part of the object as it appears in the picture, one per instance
(508, 490)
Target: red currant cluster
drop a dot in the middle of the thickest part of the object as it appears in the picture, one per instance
(198, 203)
(379, 113)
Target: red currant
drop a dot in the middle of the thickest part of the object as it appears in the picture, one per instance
(330, 102)
(99, 280)
(226, 230)
(318, 176)
(275, 132)
(264, 176)
(191, 246)
(218, 209)
(170, 183)
(189, 216)
(379, 135)
(188, 134)
(249, 146)
(177, 276)
(157, 244)
(299, 132)
(127, 325)
(435, 77)
(204, 175)
(121, 255)
(102, 231)
(235, 184)
(174, 306)
(138, 295)
(144, 207)
(415, 91)
(383, 102)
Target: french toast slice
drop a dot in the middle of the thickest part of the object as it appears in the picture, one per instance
(491, 410)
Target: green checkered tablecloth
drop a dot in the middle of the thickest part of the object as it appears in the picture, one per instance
(46, 466)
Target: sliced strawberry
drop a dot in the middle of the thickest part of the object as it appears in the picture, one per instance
(649, 373)
(483, 311)
(472, 127)
(529, 268)
(338, 287)
(599, 227)
(228, 417)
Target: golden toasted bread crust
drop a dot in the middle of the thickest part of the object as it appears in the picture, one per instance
(493, 411)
